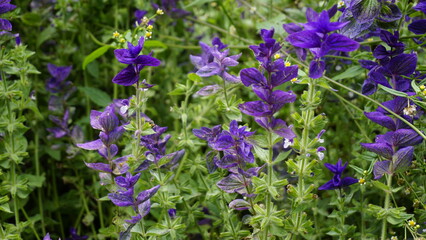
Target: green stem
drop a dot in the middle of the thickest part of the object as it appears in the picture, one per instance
(268, 200)
(31, 223)
(37, 167)
(99, 203)
(12, 144)
(386, 206)
(56, 201)
(341, 212)
(362, 213)
(307, 116)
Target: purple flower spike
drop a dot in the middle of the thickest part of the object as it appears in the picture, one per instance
(337, 181)
(130, 75)
(214, 61)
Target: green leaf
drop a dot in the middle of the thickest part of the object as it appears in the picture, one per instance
(94, 55)
(415, 87)
(31, 19)
(282, 156)
(194, 77)
(349, 73)
(46, 34)
(393, 92)
(5, 208)
(381, 186)
(99, 97)
(262, 154)
(34, 181)
(154, 44)
(157, 232)
(179, 90)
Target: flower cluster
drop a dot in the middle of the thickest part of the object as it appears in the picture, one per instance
(111, 131)
(156, 150)
(315, 36)
(236, 153)
(337, 182)
(60, 91)
(130, 75)
(124, 197)
(395, 146)
(5, 25)
(214, 61)
(271, 100)
(392, 64)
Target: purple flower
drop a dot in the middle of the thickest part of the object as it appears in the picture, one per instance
(418, 27)
(156, 150)
(365, 16)
(271, 100)
(130, 75)
(5, 7)
(398, 105)
(59, 73)
(214, 61)
(124, 197)
(75, 236)
(172, 213)
(315, 37)
(337, 182)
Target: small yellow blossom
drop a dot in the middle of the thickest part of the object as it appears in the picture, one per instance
(340, 4)
(144, 20)
(422, 87)
(122, 40)
(149, 27)
(424, 92)
(412, 223)
(160, 11)
(361, 181)
(293, 80)
(369, 40)
(116, 34)
(417, 226)
(394, 238)
(148, 34)
(277, 55)
(287, 64)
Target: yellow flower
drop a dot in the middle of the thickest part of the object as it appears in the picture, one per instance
(277, 55)
(293, 80)
(287, 64)
(361, 181)
(148, 34)
(160, 12)
(116, 34)
(149, 27)
(412, 223)
(122, 40)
